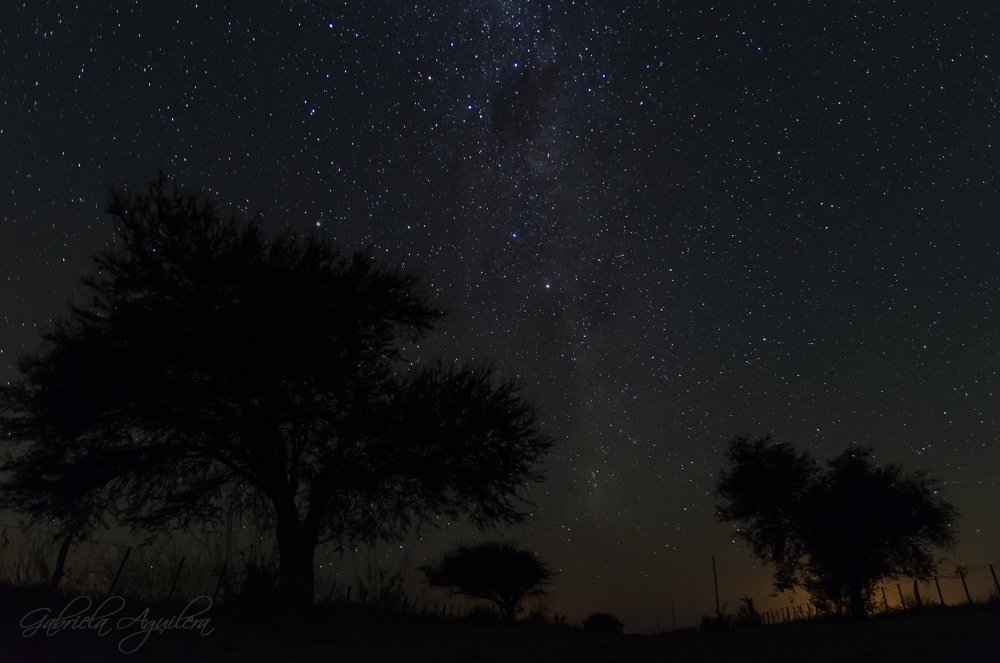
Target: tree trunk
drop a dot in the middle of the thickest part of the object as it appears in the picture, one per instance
(61, 561)
(296, 549)
(509, 610)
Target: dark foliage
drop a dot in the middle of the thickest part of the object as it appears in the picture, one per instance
(602, 622)
(496, 571)
(217, 363)
(835, 531)
(746, 615)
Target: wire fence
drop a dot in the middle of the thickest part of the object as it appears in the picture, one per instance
(965, 586)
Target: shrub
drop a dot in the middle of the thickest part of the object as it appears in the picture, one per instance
(602, 622)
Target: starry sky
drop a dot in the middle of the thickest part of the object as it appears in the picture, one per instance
(673, 221)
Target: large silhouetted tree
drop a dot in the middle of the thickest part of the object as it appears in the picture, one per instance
(834, 531)
(216, 363)
(497, 571)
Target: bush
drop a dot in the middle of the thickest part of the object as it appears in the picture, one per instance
(747, 614)
(602, 622)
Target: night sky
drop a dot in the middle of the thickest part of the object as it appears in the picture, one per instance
(674, 222)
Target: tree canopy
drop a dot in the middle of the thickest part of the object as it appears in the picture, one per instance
(214, 362)
(603, 622)
(497, 571)
(838, 530)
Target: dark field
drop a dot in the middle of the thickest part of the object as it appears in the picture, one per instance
(337, 634)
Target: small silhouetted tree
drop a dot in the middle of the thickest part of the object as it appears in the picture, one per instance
(746, 614)
(834, 531)
(497, 571)
(216, 364)
(602, 622)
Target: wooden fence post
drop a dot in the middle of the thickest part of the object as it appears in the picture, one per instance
(916, 594)
(715, 579)
(961, 574)
(902, 603)
(177, 575)
(61, 562)
(995, 580)
(121, 567)
(938, 585)
(218, 585)
(885, 600)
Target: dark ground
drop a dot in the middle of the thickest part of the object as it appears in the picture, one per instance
(951, 635)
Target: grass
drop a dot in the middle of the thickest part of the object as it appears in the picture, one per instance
(379, 630)
(337, 631)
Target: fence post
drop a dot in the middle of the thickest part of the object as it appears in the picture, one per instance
(885, 600)
(961, 574)
(995, 580)
(121, 567)
(218, 585)
(902, 603)
(916, 594)
(788, 614)
(61, 562)
(177, 574)
(715, 579)
(938, 585)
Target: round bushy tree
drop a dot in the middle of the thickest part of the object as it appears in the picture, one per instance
(497, 571)
(216, 362)
(835, 531)
(602, 622)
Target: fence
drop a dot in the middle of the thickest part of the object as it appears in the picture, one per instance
(967, 585)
